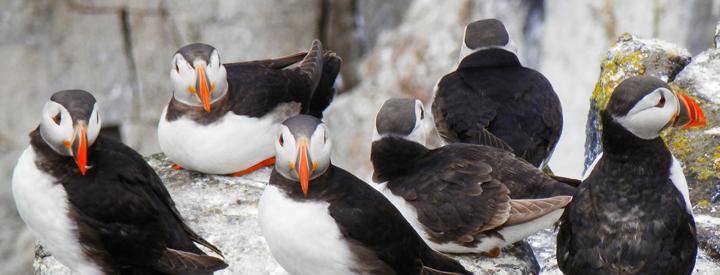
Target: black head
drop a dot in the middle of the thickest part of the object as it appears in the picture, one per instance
(196, 51)
(70, 124)
(486, 33)
(646, 105)
(402, 117)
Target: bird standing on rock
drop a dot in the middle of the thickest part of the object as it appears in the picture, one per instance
(632, 212)
(222, 118)
(461, 198)
(319, 219)
(491, 99)
(95, 204)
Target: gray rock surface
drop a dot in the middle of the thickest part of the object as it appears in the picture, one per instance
(224, 211)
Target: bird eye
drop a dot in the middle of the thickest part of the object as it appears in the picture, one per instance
(57, 118)
(282, 142)
(661, 103)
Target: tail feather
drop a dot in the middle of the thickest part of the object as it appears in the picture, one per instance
(184, 263)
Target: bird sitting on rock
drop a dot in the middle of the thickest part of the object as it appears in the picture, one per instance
(319, 219)
(461, 198)
(632, 212)
(95, 204)
(222, 118)
(491, 99)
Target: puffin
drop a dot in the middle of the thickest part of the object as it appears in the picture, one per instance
(95, 204)
(461, 198)
(320, 219)
(222, 118)
(632, 212)
(491, 99)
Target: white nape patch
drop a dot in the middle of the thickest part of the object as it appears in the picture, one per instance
(231, 144)
(678, 179)
(646, 120)
(43, 205)
(592, 166)
(465, 51)
(302, 236)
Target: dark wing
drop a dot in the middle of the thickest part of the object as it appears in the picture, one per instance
(461, 114)
(538, 114)
(125, 207)
(445, 189)
(522, 179)
(369, 219)
(325, 91)
(257, 87)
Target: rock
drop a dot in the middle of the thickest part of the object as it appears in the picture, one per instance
(224, 211)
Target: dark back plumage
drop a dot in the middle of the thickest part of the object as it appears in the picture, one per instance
(492, 99)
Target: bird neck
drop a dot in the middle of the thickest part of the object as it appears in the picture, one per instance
(620, 145)
(489, 57)
(293, 190)
(49, 161)
(392, 155)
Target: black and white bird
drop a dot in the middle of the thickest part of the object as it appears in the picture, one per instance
(461, 198)
(491, 99)
(320, 219)
(223, 118)
(95, 204)
(632, 212)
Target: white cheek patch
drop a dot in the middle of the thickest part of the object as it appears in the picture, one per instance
(646, 120)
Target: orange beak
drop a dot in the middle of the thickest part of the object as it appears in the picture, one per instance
(79, 147)
(302, 165)
(689, 113)
(203, 87)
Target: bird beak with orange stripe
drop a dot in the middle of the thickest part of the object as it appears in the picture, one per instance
(203, 85)
(689, 113)
(79, 145)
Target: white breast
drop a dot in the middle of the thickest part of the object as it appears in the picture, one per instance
(302, 236)
(43, 205)
(678, 178)
(231, 144)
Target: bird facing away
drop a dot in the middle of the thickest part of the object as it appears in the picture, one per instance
(461, 198)
(632, 212)
(223, 118)
(95, 204)
(491, 99)
(319, 219)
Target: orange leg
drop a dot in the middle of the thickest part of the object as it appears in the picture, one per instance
(493, 253)
(177, 167)
(267, 162)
